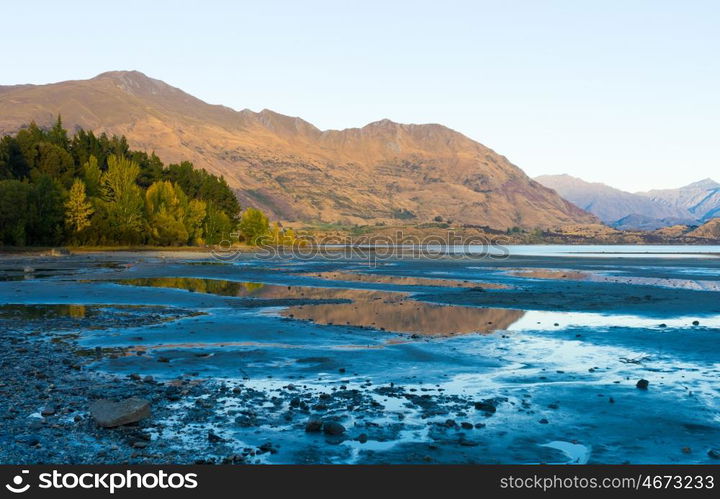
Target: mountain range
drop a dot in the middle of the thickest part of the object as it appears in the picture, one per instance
(382, 172)
(692, 204)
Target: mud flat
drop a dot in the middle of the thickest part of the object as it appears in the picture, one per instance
(528, 359)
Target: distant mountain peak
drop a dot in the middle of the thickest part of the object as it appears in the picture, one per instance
(137, 83)
(613, 205)
(706, 183)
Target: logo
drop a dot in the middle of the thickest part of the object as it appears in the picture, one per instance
(17, 486)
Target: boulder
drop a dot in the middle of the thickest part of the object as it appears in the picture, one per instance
(313, 425)
(333, 428)
(109, 413)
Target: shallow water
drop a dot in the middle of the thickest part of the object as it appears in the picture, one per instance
(560, 346)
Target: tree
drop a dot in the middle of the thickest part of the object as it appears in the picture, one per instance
(115, 207)
(123, 200)
(14, 198)
(12, 161)
(196, 213)
(166, 207)
(91, 176)
(254, 225)
(58, 135)
(77, 208)
(199, 184)
(46, 211)
(217, 225)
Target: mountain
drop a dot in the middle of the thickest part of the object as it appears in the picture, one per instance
(642, 222)
(613, 206)
(708, 230)
(701, 199)
(382, 172)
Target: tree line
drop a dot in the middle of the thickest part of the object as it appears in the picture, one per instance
(94, 190)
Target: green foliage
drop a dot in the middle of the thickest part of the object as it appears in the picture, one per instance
(173, 220)
(54, 161)
(123, 200)
(46, 213)
(199, 184)
(217, 225)
(254, 225)
(77, 209)
(14, 199)
(89, 189)
(91, 176)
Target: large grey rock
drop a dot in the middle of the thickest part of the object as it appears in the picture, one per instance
(109, 414)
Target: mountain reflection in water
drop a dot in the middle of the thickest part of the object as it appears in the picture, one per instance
(408, 316)
(382, 310)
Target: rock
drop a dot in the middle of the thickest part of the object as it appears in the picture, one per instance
(27, 439)
(59, 252)
(695, 323)
(714, 453)
(213, 438)
(362, 438)
(466, 426)
(333, 428)
(488, 405)
(48, 411)
(553, 406)
(139, 444)
(109, 414)
(642, 384)
(313, 425)
(267, 447)
(662, 325)
(543, 421)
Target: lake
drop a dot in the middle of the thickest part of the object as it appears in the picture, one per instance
(531, 358)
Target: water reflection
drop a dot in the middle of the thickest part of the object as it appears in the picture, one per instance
(382, 310)
(29, 312)
(259, 290)
(403, 280)
(409, 316)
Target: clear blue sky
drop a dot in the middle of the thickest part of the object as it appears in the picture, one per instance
(624, 92)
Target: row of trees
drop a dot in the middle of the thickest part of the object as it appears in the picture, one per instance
(94, 190)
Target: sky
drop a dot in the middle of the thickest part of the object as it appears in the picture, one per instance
(621, 92)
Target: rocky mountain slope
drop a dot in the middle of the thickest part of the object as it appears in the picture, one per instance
(382, 172)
